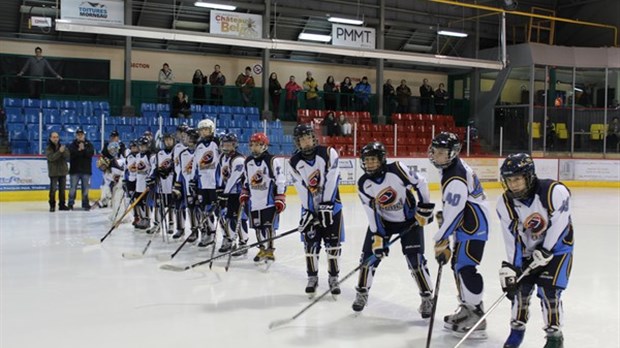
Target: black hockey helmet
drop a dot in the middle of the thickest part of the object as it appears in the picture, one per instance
(444, 140)
(182, 128)
(168, 136)
(229, 138)
(374, 149)
(520, 164)
(144, 144)
(303, 130)
(192, 136)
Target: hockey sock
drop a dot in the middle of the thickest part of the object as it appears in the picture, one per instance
(333, 254)
(419, 272)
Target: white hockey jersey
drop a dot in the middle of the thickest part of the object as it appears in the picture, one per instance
(264, 179)
(391, 197)
(143, 170)
(131, 168)
(206, 158)
(163, 161)
(231, 173)
(178, 147)
(186, 165)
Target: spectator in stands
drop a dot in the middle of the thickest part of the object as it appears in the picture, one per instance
(426, 95)
(291, 97)
(245, 82)
(441, 99)
(550, 133)
(345, 126)
(403, 94)
(114, 138)
(346, 94)
(312, 91)
(165, 82)
(217, 81)
(57, 169)
(330, 93)
(389, 98)
(613, 134)
(275, 89)
(80, 170)
(362, 94)
(199, 81)
(180, 106)
(35, 68)
(331, 125)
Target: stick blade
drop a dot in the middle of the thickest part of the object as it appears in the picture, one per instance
(173, 268)
(132, 255)
(164, 257)
(92, 241)
(277, 323)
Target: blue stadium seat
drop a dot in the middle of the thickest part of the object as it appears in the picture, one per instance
(124, 128)
(149, 115)
(223, 124)
(33, 135)
(67, 104)
(14, 114)
(253, 117)
(274, 124)
(196, 108)
(49, 104)
(209, 109)
(32, 103)
(12, 127)
(252, 110)
(85, 108)
(244, 148)
(48, 128)
(223, 109)
(65, 114)
(51, 116)
(226, 117)
(163, 107)
(18, 135)
(12, 103)
(238, 117)
(238, 110)
(20, 147)
(288, 148)
(101, 105)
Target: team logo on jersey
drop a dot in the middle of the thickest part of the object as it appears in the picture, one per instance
(314, 180)
(256, 182)
(536, 225)
(132, 167)
(187, 170)
(141, 167)
(387, 198)
(206, 161)
(225, 172)
(166, 164)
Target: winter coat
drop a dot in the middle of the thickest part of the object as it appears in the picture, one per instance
(56, 160)
(81, 160)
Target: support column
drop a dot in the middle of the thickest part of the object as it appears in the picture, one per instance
(380, 62)
(128, 21)
(266, 56)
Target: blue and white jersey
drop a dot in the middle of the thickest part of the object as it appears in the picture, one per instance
(390, 197)
(163, 162)
(264, 180)
(206, 159)
(317, 180)
(143, 170)
(176, 152)
(231, 173)
(130, 167)
(186, 165)
(465, 211)
(541, 221)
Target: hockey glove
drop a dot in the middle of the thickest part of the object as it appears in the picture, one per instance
(442, 251)
(508, 276)
(222, 198)
(280, 203)
(424, 213)
(306, 222)
(326, 214)
(177, 190)
(379, 246)
(193, 188)
(244, 197)
(150, 183)
(163, 172)
(439, 218)
(540, 258)
(125, 188)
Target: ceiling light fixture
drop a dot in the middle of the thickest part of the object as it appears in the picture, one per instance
(452, 33)
(215, 6)
(345, 20)
(314, 37)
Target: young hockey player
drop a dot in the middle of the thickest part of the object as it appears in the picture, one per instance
(160, 181)
(178, 209)
(264, 194)
(129, 183)
(536, 223)
(183, 192)
(388, 195)
(113, 166)
(316, 177)
(143, 170)
(465, 220)
(206, 158)
(230, 177)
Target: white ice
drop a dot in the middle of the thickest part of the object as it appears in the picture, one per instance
(58, 292)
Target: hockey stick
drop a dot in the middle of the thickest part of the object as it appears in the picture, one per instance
(217, 222)
(276, 323)
(434, 309)
(118, 222)
(133, 255)
(237, 229)
(491, 309)
(192, 216)
(188, 267)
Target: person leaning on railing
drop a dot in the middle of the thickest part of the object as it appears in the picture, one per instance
(36, 67)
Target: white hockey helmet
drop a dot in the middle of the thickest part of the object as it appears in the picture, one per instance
(206, 123)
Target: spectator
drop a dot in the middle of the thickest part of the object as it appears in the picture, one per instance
(613, 134)
(312, 92)
(550, 136)
(57, 169)
(403, 94)
(180, 106)
(246, 84)
(80, 170)
(362, 94)
(389, 98)
(199, 81)
(217, 81)
(275, 89)
(114, 138)
(330, 91)
(291, 97)
(426, 94)
(166, 80)
(441, 99)
(36, 66)
(345, 126)
(346, 94)
(331, 124)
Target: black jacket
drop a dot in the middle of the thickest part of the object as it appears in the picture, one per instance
(80, 162)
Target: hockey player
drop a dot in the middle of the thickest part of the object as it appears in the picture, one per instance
(464, 219)
(316, 177)
(206, 158)
(536, 223)
(230, 180)
(113, 166)
(143, 170)
(264, 194)
(178, 209)
(160, 181)
(185, 193)
(129, 183)
(387, 192)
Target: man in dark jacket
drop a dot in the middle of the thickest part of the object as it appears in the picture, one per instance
(57, 169)
(82, 152)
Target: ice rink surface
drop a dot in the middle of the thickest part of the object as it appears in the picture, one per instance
(58, 292)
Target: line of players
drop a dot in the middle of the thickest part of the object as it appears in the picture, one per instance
(209, 177)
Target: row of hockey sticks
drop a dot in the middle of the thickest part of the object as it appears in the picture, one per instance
(492, 308)
(434, 309)
(237, 229)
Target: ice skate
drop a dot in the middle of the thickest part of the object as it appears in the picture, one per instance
(465, 319)
(515, 338)
(361, 300)
(178, 234)
(334, 287)
(269, 259)
(426, 306)
(241, 250)
(206, 239)
(260, 256)
(226, 246)
(143, 224)
(313, 283)
(153, 229)
(555, 338)
(193, 237)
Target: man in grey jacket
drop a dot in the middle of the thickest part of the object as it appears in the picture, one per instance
(165, 82)
(57, 168)
(36, 67)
